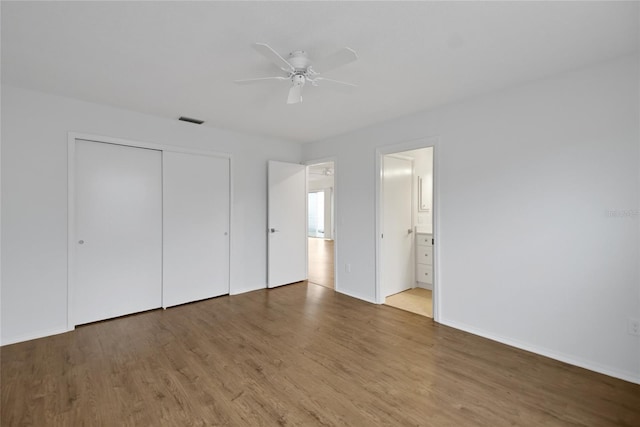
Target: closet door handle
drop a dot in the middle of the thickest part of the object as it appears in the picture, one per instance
(273, 230)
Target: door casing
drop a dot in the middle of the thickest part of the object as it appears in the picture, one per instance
(432, 141)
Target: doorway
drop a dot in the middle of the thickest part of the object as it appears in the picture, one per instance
(406, 270)
(320, 223)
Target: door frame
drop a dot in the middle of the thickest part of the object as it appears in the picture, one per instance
(413, 144)
(334, 208)
(72, 137)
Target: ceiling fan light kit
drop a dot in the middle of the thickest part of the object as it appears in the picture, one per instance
(299, 70)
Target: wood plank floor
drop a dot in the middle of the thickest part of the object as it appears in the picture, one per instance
(321, 261)
(296, 355)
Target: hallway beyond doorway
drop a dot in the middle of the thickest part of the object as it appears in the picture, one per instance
(321, 261)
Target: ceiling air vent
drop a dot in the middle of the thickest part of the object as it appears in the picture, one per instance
(190, 120)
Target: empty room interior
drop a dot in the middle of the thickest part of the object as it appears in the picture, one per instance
(320, 213)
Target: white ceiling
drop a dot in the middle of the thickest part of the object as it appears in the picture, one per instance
(180, 58)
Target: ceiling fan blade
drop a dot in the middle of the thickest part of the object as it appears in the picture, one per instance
(338, 82)
(273, 56)
(259, 79)
(295, 94)
(342, 57)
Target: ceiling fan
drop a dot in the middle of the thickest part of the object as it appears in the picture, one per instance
(299, 69)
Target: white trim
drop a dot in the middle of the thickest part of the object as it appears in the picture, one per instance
(34, 336)
(400, 156)
(542, 351)
(435, 231)
(71, 227)
(334, 207)
(414, 144)
(72, 137)
(0, 229)
(163, 305)
(247, 289)
(230, 220)
(360, 297)
(148, 145)
(306, 221)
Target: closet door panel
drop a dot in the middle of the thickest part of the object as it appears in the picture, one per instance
(195, 227)
(118, 230)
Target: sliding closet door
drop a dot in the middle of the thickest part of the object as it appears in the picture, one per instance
(196, 227)
(118, 245)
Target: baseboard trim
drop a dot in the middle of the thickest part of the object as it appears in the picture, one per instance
(35, 336)
(422, 285)
(571, 360)
(247, 289)
(349, 294)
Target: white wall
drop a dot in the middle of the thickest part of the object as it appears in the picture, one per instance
(527, 252)
(34, 198)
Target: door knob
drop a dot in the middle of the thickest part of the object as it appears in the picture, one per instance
(273, 230)
(81, 242)
(409, 231)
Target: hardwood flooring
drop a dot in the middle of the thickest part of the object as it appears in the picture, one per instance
(299, 355)
(321, 262)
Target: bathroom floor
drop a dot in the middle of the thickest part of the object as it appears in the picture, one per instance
(416, 300)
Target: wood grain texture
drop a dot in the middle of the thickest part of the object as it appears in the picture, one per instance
(296, 355)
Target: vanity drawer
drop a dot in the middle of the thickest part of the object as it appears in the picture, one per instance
(424, 239)
(424, 273)
(424, 255)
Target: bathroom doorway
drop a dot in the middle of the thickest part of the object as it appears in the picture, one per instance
(406, 225)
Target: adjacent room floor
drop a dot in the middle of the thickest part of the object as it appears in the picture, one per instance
(321, 270)
(300, 354)
(416, 300)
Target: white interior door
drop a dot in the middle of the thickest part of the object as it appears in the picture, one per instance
(196, 227)
(118, 211)
(397, 265)
(287, 223)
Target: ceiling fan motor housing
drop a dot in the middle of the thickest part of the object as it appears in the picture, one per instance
(298, 79)
(299, 60)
